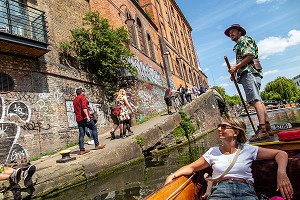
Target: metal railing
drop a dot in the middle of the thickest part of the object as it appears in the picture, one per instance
(21, 20)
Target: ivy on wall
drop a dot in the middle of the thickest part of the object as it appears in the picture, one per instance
(101, 50)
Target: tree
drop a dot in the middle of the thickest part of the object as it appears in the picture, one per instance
(100, 49)
(220, 90)
(281, 88)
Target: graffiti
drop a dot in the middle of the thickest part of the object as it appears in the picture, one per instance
(43, 108)
(147, 73)
(22, 96)
(19, 109)
(38, 126)
(57, 97)
(10, 132)
(17, 153)
(98, 108)
(44, 95)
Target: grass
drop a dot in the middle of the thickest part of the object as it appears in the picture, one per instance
(148, 118)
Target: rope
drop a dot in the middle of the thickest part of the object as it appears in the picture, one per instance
(180, 187)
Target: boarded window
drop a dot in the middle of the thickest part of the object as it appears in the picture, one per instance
(6, 83)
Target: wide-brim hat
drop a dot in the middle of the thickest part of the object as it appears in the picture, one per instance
(237, 27)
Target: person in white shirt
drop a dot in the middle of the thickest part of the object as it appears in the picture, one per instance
(232, 134)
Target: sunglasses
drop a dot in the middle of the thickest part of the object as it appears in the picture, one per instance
(225, 126)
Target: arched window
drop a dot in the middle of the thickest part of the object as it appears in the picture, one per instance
(178, 68)
(185, 74)
(6, 82)
(172, 38)
(141, 36)
(150, 46)
(131, 31)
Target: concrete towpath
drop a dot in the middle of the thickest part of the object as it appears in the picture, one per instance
(52, 176)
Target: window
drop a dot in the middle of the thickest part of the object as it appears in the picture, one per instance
(178, 68)
(141, 35)
(6, 83)
(151, 48)
(131, 31)
(172, 38)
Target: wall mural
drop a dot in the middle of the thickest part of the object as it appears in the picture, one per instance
(10, 150)
(147, 73)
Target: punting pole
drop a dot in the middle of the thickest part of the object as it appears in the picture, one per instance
(240, 94)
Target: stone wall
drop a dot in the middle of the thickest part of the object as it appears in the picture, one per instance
(37, 116)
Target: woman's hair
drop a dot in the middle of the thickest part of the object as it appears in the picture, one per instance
(239, 124)
(122, 92)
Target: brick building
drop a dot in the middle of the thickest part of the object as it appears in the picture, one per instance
(37, 83)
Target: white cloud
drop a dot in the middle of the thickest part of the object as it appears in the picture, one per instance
(206, 69)
(271, 72)
(263, 1)
(275, 45)
(223, 85)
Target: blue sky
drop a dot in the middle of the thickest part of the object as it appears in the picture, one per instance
(274, 24)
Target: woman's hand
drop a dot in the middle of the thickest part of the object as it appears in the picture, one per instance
(284, 185)
(170, 178)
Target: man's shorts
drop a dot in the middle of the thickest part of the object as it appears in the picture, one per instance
(168, 101)
(251, 84)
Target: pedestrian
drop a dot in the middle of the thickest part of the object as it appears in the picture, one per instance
(83, 119)
(114, 118)
(195, 91)
(124, 115)
(202, 89)
(167, 97)
(14, 176)
(88, 131)
(248, 72)
(181, 91)
(188, 94)
(237, 183)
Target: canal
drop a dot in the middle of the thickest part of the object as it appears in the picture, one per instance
(138, 181)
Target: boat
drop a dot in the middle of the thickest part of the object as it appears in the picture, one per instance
(264, 174)
(250, 111)
(265, 183)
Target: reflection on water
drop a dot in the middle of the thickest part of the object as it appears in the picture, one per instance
(138, 181)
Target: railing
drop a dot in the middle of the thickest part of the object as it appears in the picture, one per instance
(21, 20)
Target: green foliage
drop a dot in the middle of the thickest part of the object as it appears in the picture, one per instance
(178, 132)
(186, 124)
(40, 156)
(281, 88)
(100, 49)
(220, 90)
(140, 141)
(233, 100)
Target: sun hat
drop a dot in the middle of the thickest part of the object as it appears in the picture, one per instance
(237, 27)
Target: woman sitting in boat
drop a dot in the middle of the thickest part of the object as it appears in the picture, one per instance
(238, 182)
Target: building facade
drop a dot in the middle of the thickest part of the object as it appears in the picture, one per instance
(37, 83)
(296, 79)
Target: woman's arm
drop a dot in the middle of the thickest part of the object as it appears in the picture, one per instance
(283, 182)
(188, 169)
(127, 103)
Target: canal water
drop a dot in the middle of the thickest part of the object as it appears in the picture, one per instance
(138, 181)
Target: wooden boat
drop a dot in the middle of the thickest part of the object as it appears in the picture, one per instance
(264, 174)
(274, 143)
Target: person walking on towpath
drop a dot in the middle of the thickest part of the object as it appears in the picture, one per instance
(83, 119)
(248, 72)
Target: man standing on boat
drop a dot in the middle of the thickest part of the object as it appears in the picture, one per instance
(248, 72)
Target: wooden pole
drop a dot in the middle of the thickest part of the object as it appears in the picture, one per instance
(240, 94)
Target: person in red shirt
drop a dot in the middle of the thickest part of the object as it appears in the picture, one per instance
(83, 119)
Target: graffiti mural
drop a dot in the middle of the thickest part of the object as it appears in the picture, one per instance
(98, 108)
(19, 109)
(10, 131)
(147, 73)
